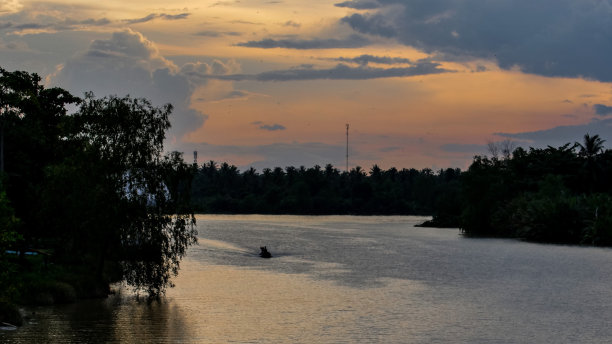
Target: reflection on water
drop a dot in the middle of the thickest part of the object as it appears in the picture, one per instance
(341, 279)
(256, 306)
(118, 319)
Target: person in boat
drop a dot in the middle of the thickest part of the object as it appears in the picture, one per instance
(264, 252)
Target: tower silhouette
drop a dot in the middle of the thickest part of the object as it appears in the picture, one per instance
(347, 130)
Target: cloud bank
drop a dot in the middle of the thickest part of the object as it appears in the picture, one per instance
(153, 16)
(339, 72)
(565, 38)
(366, 59)
(602, 110)
(561, 135)
(128, 63)
(54, 17)
(359, 4)
(353, 41)
(269, 127)
(63, 25)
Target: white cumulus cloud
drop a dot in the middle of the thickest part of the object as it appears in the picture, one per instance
(129, 63)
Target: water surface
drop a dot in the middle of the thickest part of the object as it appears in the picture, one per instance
(345, 279)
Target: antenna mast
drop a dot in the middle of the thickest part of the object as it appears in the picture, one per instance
(195, 157)
(347, 130)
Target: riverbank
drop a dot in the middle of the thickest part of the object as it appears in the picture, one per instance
(34, 281)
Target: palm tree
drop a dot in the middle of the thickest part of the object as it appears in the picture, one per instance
(592, 146)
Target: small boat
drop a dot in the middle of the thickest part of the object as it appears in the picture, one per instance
(264, 252)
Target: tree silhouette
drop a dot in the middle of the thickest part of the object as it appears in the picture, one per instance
(591, 146)
(590, 149)
(93, 187)
(555, 194)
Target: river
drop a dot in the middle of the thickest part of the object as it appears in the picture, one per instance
(351, 279)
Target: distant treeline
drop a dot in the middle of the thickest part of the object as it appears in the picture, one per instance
(222, 188)
(559, 195)
(555, 195)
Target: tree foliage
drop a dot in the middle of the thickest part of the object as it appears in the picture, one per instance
(553, 194)
(8, 238)
(94, 186)
(222, 188)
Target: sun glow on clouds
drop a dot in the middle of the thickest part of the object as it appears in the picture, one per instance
(402, 121)
(10, 6)
(411, 91)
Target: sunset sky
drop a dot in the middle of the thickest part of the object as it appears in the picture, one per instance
(272, 83)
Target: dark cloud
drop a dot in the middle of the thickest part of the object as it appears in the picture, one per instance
(561, 135)
(153, 16)
(174, 16)
(548, 37)
(347, 73)
(91, 22)
(31, 26)
(48, 16)
(237, 94)
(365, 59)
(373, 25)
(292, 24)
(353, 41)
(141, 20)
(272, 127)
(359, 4)
(210, 33)
(66, 25)
(339, 72)
(602, 110)
(245, 22)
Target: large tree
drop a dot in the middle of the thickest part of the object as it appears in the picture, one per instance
(136, 211)
(94, 186)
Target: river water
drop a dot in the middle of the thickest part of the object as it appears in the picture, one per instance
(349, 279)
